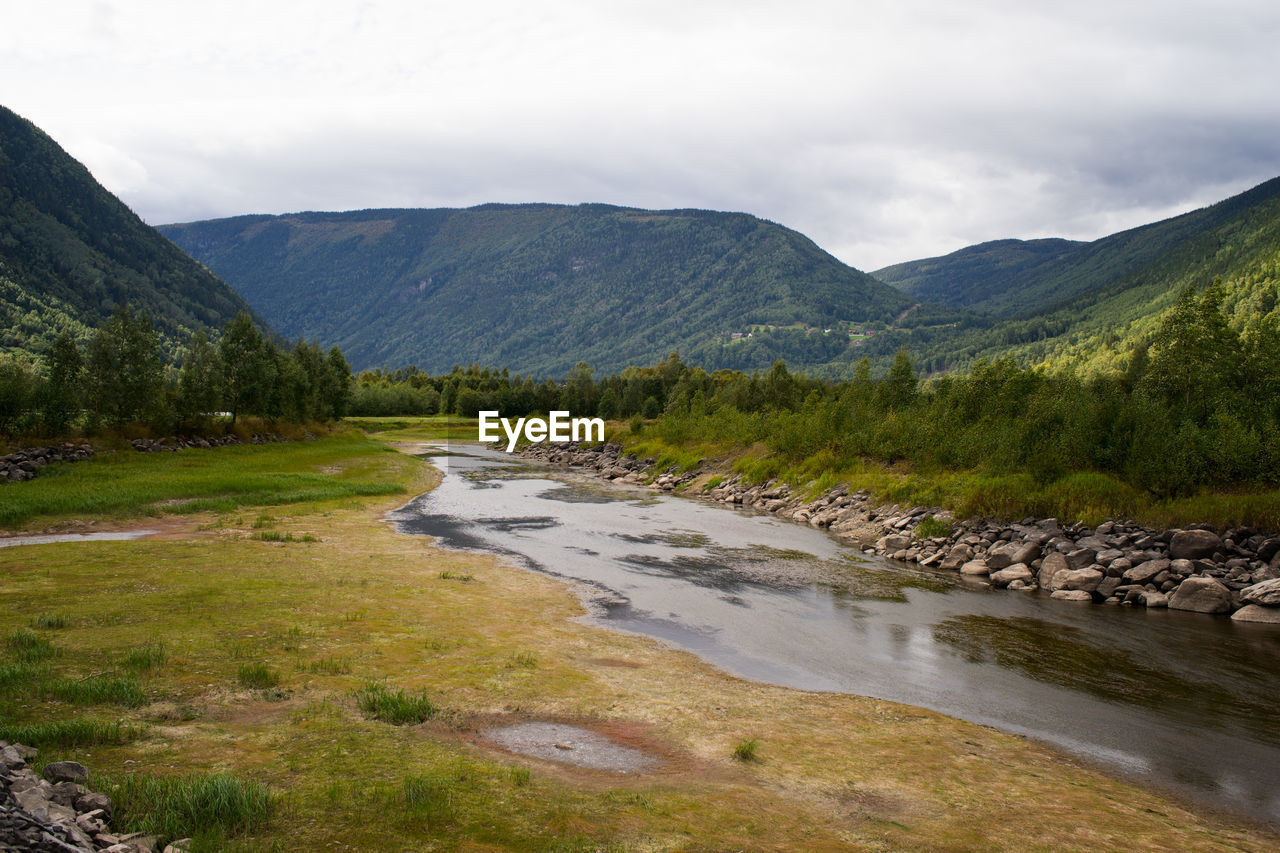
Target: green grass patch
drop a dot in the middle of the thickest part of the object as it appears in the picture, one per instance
(21, 674)
(277, 536)
(747, 751)
(219, 805)
(377, 701)
(145, 658)
(449, 575)
(51, 621)
(429, 796)
(70, 733)
(98, 690)
(330, 665)
(930, 527)
(257, 676)
(124, 483)
(28, 646)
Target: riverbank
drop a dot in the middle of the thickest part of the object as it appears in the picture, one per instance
(1120, 563)
(250, 645)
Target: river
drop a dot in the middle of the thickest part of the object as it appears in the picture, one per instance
(1184, 702)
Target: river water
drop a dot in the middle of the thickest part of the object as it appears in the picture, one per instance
(1181, 701)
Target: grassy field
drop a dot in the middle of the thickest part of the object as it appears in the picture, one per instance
(328, 691)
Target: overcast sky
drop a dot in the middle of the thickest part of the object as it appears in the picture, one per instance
(886, 131)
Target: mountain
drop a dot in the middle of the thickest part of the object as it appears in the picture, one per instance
(70, 252)
(1108, 294)
(1016, 278)
(539, 287)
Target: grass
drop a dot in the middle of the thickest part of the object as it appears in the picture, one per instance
(145, 658)
(378, 702)
(51, 621)
(124, 483)
(77, 732)
(257, 676)
(450, 575)
(429, 796)
(747, 751)
(930, 527)
(220, 805)
(99, 690)
(29, 647)
(330, 665)
(277, 536)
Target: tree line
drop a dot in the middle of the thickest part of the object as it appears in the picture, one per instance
(122, 377)
(1197, 404)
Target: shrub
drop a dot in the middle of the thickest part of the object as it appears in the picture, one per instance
(746, 751)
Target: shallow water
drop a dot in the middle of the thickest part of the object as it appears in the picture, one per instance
(1183, 701)
(49, 538)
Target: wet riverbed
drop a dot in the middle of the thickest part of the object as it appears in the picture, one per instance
(1183, 701)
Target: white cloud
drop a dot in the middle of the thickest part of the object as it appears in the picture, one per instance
(884, 130)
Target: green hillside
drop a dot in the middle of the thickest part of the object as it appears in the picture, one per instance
(1015, 278)
(1237, 241)
(538, 287)
(70, 252)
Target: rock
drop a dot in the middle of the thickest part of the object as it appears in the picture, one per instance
(1144, 572)
(894, 543)
(93, 801)
(1107, 586)
(1085, 580)
(1266, 593)
(1201, 595)
(975, 567)
(1001, 556)
(1071, 595)
(1053, 563)
(1016, 572)
(1257, 613)
(959, 555)
(66, 771)
(1080, 558)
(1155, 599)
(1194, 544)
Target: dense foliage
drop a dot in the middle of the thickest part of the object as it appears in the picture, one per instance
(122, 378)
(1198, 406)
(540, 287)
(71, 253)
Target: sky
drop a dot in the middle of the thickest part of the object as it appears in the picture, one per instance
(885, 131)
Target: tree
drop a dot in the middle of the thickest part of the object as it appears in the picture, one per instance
(335, 385)
(17, 380)
(126, 369)
(1195, 356)
(244, 365)
(199, 380)
(899, 388)
(62, 390)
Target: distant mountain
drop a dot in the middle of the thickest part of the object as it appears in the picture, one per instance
(1015, 278)
(538, 287)
(1103, 297)
(70, 252)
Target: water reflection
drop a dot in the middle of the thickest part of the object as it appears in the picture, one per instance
(1181, 700)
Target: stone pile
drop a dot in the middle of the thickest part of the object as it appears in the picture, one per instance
(23, 464)
(56, 813)
(175, 443)
(1119, 563)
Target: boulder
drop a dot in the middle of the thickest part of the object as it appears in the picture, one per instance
(1085, 580)
(1016, 572)
(1027, 552)
(1055, 562)
(975, 567)
(1256, 613)
(66, 771)
(1001, 556)
(893, 543)
(959, 555)
(1155, 599)
(1080, 558)
(1144, 572)
(1072, 595)
(1202, 595)
(1194, 544)
(1266, 594)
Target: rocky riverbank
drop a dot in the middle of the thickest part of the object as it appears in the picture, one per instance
(55, 812)
(1118, 563)
(23, 464)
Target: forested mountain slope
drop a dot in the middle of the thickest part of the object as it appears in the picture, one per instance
(70, 252)
(539, 287)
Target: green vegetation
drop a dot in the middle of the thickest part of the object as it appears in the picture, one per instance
(211, 808)
(258, 676)
(77, 732)
(70, 252)
(510, 284)
(747, 750)
(400, 708)
(930, 527)
(129, 483)
(98, 690)
(145, 658)
(51, 621)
